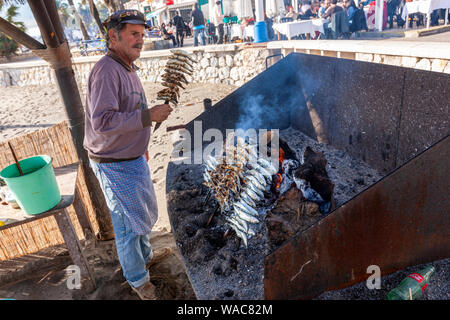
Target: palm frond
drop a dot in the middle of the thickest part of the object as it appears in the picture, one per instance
(3, 2)
(13, 1)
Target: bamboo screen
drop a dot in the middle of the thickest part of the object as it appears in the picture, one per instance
(56, 142)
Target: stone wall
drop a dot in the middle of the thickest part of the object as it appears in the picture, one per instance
(34, 75)
(432, 56)
(230, 64)
(237, 63)
(428, 64)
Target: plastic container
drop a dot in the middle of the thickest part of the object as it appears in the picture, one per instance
(36, 191)
(417, 282)
(261, 32)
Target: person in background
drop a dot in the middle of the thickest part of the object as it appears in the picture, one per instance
(269, 26)
(311, 13)
(210, 29)
(179, 26)
(392, 7)
(117, 134)
(351, 9)
(291, 13)
(218, 20)
(171, 28)
(304, 6)
(362, 4)
(333, 8)
(198, 22)
(189, 29)
(323, 7)
(166, 35)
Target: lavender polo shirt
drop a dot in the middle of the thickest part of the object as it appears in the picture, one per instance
(116, 125)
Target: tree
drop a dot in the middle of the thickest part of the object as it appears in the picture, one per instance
(9, 46)
(79, 21)
(114, 5)
(63, 11)
(96, 15)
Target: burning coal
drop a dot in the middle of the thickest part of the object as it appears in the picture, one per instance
(241, 183)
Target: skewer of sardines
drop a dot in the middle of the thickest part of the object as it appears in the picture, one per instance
(179, 64)
(239, 186)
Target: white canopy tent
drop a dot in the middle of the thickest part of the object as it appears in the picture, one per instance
(295, 5)
(244, 9)
(274, 7)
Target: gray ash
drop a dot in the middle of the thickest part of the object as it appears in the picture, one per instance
(222, 267)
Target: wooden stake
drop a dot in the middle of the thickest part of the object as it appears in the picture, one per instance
(212, 215)
(410, 294)
(226, 234)
(173, 128)
(206, 198)
(15, 159)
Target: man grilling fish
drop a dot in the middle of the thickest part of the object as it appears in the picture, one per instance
(117, 134)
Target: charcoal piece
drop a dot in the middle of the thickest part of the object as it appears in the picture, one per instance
(215, 238)
(288, 153)
(228, 293)
(314, 171)
(190, 229)
(217, 269)
(225, 266)
(291, 214)
(283, 221)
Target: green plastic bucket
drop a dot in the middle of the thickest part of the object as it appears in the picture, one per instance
(36, 191)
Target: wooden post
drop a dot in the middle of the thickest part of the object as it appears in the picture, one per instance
(44, 23)
(51, 9)
(79, 20)
(95, 14)
(75, 250)
(81, 213)
(20, 36)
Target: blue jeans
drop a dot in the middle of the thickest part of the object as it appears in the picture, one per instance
(134, 251)
(198, 32)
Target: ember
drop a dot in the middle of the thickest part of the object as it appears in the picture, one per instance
(278, 180)
(281, 158)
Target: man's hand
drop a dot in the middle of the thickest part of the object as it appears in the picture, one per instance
(160, 112)
(146, 155)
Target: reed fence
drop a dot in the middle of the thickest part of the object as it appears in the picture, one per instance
(56, 142)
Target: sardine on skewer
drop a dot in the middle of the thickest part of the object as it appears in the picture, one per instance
(179, 64)
(172, 83)
(183, 53)
(175, 76)
(177, 67)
